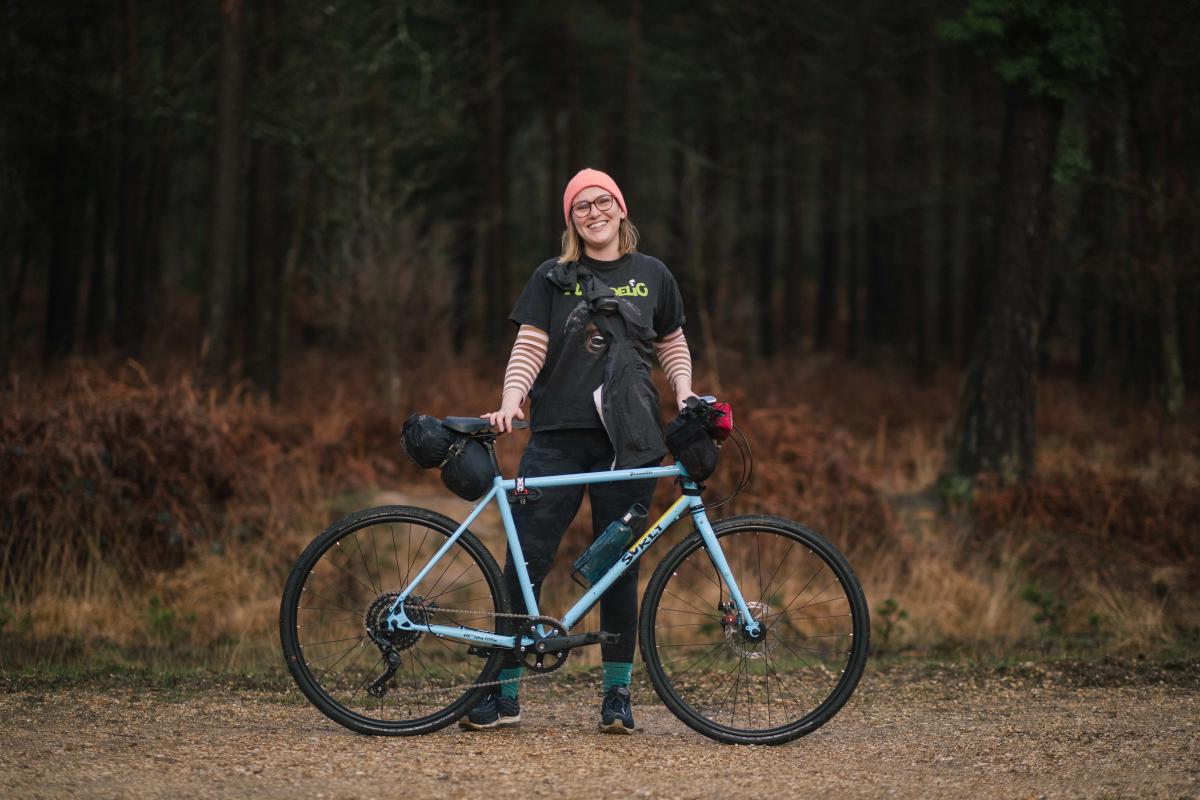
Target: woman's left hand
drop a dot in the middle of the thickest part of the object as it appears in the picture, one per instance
(681, 396)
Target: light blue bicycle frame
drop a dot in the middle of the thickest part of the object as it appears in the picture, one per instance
(687, 503)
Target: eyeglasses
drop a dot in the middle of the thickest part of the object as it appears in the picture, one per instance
(584, 207)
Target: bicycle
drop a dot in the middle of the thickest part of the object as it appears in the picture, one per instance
(723, 639)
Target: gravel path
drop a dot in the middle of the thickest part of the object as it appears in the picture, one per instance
(1060, 730)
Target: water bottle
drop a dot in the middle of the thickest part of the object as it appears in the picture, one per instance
(608, 547)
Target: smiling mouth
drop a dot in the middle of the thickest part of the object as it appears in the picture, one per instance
(598, 226)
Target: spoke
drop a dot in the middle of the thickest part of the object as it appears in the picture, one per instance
(829, 616)
(694, 663)
(703, 573)
(363, 556)
(325, 599)
(693, 613)
(782, 685)
(822, 602)
(370, 672)
(311, 661)
(724, 679)
(770, 581)
(425, 665)
(408, 559)
(358, 638)
(811, 668)
(804, 588)
(354, 577)
(689, 605)
(424, 536)
(375, 556)
(758, 553)
(449, 563)
(396, 556)
(349, 650)
(454, 582)
(356, 612)
(812, 649)
(457, 588)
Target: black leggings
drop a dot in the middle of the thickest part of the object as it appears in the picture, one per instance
(542, 523)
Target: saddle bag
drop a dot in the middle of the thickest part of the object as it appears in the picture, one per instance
(466, 465)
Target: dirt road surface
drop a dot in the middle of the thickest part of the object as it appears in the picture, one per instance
(1123, 729)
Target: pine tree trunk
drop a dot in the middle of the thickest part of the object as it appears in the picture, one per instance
(130, 319)
(827, 280)
(216, 348)
(996, 425)
(264, 270)
(765, 246)
(496, 278)
(931, 264)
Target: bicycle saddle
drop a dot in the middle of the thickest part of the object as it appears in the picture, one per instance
(475, 425)
(467, 425)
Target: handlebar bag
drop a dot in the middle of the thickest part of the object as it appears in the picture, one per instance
(689, 440)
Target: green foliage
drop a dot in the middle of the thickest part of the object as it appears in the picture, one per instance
(1054, 47)
(1072, 161)
(890, 618)
(954, 489)
(164, 624)
(7, 615)
(1050, 610)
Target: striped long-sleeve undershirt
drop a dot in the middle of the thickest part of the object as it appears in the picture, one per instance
(529, 354)
(676, 359)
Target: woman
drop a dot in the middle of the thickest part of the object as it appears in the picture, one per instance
(590, 321)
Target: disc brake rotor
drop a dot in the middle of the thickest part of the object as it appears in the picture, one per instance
(737, 642)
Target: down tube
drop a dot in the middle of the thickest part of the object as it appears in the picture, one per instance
(639, 546)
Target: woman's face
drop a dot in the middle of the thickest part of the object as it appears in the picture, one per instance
(599, 230)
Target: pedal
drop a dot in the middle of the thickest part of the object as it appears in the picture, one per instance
(609, 638)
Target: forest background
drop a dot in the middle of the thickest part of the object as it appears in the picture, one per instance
(941, 256)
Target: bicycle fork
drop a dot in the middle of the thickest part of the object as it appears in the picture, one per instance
(752, 629)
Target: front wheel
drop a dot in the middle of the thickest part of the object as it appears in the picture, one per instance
(788, 683)
(333, 621)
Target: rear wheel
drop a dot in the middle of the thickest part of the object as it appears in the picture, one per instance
(783, 685)
(332, 621)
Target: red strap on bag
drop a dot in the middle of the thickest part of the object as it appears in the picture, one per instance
(722, 426)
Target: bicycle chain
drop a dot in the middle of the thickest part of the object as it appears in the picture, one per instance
(527, 675)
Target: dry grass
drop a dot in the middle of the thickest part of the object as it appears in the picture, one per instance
(151, 511)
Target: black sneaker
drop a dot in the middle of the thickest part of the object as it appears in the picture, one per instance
(493, 711)
(616, 715)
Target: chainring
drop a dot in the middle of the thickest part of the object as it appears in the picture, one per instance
(546, 662)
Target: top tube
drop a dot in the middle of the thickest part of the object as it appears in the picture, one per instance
(607, 476)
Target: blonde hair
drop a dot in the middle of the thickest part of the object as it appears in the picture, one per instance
(572, 250)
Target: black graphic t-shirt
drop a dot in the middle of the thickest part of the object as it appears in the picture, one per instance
(561, 396)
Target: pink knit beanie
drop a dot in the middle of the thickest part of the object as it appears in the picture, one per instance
(590, 177)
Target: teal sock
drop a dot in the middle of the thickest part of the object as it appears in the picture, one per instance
(510, 674)
(617, 673)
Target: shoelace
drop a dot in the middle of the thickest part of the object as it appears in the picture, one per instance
(614, 703)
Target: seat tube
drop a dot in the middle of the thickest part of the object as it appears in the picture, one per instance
(718, 558)
(515, 552)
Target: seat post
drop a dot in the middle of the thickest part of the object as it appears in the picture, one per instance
(489, 443)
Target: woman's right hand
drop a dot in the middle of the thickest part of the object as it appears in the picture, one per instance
(510, 408)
